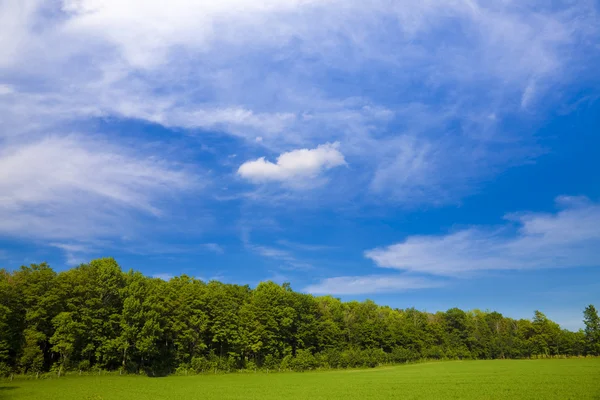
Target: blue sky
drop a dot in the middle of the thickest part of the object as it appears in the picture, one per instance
(429, 154)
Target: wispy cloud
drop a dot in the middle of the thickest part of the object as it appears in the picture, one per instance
(305, 246)
(371, 284)
(72, 187)
(415, 170)
(220, 278)
(6, 89)
(179, 66)
(74, 253)
(214, 247)
(272, 252)
(288, 260)
(277, 277)
(568, 238)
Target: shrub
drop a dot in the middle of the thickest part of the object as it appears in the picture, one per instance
(251, 366)
(84, 365)
(183, 369)
(199, 364)
(286, 363)
(373, 357)
(270, 362)
(5, 370)
(331, 358)
(304, 361)
(401, 355)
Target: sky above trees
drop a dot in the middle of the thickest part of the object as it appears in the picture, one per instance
(429, 154)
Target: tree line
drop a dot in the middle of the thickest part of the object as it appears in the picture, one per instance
(98, 317)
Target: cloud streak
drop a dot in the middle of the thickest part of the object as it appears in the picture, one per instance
(569, 238)
(70, 187)
(371, 284)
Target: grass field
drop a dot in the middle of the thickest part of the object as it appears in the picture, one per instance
(501, 379)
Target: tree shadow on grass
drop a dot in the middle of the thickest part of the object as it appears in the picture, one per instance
(5, 391)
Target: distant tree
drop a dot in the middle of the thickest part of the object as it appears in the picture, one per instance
(11, 320)
(4, 334)
(546, 335)
(592, 329)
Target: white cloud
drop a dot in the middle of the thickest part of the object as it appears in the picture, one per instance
(6, 89)
(214, 247)
(15, 23)
(146, 30)
(272, 252)
(263, 70)
(567, 239)
(72, 187)
(287, 259)
(305, 246)
(370, 284)
(294, 166)
(415, 170)
(219, 278)
(528, 94)
(277, 278)
(234, 120)
(74, 253)
(412, 169)
(46, 170)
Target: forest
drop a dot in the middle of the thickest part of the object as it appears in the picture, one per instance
(97, 317)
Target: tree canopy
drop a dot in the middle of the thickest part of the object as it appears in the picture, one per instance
(96, 316)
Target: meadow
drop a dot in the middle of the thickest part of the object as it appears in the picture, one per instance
(496, 379)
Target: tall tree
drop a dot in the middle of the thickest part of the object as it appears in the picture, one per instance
(11, 319)
(66, 333)
(592, 329)
(37, 291)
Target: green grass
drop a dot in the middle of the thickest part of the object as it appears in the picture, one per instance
(501, 379)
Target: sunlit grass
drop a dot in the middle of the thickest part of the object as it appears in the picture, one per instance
(500, 379)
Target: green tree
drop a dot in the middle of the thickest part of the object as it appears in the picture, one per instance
(188, 320)
(32, 357)
(142, 323)
(36, 288)
(592, 329)
(66, 333)
(11, 320)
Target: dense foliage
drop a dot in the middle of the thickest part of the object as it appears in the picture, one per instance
(97, 317)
